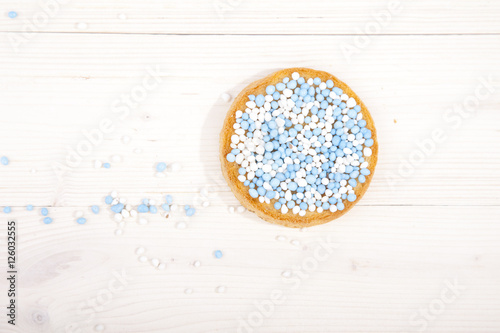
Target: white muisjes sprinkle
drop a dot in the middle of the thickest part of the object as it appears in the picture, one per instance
(220, 289)
(301, 155)
(225, 97)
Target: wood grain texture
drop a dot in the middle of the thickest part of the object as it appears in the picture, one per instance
(416, 231)
(389, 263)
(318, 17)
(397, 77)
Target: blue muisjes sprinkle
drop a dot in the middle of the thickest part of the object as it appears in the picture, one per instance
(108, 200)
(301, 145)
(12, 14)
(160, 167)
(7, 209)
(351, 197)
(29, 207)
(44, 211)
(142, 208)
(4, 160)
(190, 211)
(81, 220)
(106, 165)
(117, 208)
(47, 220)
(95, 209)
(169, 199)
(218, 254)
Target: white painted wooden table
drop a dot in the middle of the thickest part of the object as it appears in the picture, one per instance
(420, 252)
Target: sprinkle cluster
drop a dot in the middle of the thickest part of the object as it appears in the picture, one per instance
(302, 144)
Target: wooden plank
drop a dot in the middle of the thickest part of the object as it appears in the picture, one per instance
(60, 85)
(386, 264)
(256, 17)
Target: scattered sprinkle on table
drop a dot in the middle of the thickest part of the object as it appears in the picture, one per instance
(174, 167)
(99, 328)
(7, 210)
(218, 254)
(116, 158)
(189, 210)
(142, 208)
(225, 97)
(161, 166)
(280, 238)
(155, 262)
(81, 25)
(47, 220)
(81, 220)
(29, 207)
(106, 165)
(125, 139)
(117, 208)
(12, 14)
(44, 211)
(220, 289)
(95, 209)
(169, 199)
(4, 160)
(181, 225)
